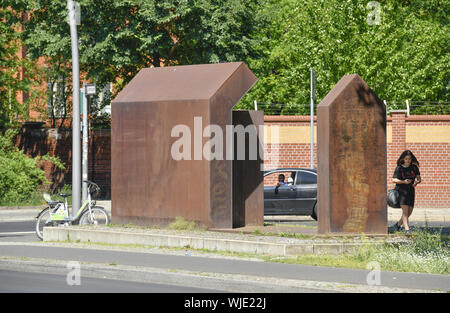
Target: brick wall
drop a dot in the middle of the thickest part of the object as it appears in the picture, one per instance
(59, 143)
(428, 137)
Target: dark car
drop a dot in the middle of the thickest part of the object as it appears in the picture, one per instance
(297, 197)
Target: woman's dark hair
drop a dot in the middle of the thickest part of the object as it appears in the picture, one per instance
(405, 153)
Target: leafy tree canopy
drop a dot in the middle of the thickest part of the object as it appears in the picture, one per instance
(12, 76)
(403, 55)
(119, 37)
(399, 47)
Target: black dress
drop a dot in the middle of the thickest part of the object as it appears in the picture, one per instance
(406, 191)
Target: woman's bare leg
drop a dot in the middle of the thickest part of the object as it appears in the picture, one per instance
(411, 208)
(404, 219)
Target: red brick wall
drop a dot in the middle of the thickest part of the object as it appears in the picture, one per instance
(433, 192)
(432, 149)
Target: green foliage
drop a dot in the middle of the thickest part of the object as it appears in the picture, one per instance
(20, 175)
(117, 38)
(10, 69)
(427, 253)
(182, 224)
(405, 56)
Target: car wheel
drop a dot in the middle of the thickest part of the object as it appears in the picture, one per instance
(314, 212)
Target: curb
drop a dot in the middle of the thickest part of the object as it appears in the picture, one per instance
(213, 244)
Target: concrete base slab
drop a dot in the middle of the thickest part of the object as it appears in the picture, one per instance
(80, 234)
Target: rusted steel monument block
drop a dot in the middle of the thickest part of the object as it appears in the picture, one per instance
(352, 159)
(170, 154)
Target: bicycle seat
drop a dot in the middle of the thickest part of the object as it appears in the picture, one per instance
(65, 195)
(53, 203)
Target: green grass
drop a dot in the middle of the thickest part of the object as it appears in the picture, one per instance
(182, 224)
(346, 261)
(258, 232)
(427, 253)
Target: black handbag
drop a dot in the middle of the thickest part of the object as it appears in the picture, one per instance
(393, 199)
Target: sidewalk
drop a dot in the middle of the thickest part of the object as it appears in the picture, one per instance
(29, 213)
(420, 215)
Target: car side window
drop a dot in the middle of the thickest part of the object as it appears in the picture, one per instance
(306, 178)
(272, 179)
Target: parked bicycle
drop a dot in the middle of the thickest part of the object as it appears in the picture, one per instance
(57, 212)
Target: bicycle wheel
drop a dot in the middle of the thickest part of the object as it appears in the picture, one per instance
(98, 217)
(43, 220)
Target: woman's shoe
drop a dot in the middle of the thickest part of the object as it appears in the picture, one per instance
(408, 232)
(396, 227)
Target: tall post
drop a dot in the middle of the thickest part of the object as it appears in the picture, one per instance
(313, 87)
(85, 143)
(76, 181)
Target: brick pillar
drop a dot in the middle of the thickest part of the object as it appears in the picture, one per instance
(398, 144)
(398, 133)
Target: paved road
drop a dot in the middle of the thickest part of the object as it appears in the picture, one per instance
(14, 281)
(21, 231)
(16, 239)
(227, 266)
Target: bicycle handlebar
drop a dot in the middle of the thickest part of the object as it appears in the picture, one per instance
(91, 183)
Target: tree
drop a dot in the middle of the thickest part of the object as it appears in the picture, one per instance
(16, 74)
(117, 38)
(404, 56)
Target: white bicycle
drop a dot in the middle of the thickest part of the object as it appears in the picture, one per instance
(57, 212)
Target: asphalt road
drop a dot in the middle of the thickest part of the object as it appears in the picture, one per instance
(26, 282)
(22, 232)
(227, 266)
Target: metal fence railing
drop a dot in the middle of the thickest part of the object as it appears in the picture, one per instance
(420, 107)
(411, 107)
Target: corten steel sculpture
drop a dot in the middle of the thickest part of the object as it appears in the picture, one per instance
(352, 159)
(149, 186)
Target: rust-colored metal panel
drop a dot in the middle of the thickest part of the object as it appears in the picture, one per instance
(148, 185)
(352, 159)
(185, 82)
(222, 103)
(248, 179)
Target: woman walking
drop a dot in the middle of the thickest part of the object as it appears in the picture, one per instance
(406, 177)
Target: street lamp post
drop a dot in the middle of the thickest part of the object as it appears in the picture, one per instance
(76, 157)
(88, 91)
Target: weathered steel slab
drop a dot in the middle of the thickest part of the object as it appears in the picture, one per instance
(352, 159)
(248, 179)
(148, 185)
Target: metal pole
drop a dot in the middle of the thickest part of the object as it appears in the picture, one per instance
(76, 181)
(313, 85)
(85, 143)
